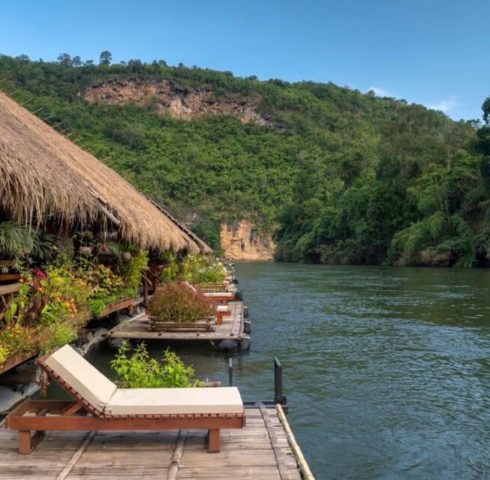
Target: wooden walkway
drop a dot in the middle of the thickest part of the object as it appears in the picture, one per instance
(231, 328)
(260, 451)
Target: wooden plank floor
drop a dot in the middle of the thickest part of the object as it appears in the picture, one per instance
(260, 451)
(232, 327)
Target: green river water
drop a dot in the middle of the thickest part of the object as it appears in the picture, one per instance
(386, 370)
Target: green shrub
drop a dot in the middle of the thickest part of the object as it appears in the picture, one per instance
(97, 307)
(137, 369)
(178, 304)
(15, 240)
(4, 354)
(133, 271)
(57, 335)
(171, 270)
(195, 269)
(16, 339)
(199, 269)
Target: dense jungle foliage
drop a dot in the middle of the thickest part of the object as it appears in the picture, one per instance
(338, 175)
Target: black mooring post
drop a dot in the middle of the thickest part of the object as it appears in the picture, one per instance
(230, 372)
(278, 396)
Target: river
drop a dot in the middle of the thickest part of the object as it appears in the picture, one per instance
(386, 370)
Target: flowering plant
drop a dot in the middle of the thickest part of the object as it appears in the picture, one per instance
(178, 304)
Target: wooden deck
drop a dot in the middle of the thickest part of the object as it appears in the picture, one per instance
(231, 328)
(260, 451)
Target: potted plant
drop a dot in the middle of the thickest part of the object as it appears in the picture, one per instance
(176, 307)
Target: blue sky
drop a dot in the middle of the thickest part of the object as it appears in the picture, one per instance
(433, 52)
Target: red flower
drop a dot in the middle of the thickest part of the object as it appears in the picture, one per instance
(40, 274)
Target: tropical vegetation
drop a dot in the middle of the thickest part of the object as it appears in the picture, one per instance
(336, 175)
(56, 299)
(195, 269)
(137, 369)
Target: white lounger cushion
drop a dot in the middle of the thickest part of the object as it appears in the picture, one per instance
(171, 401)
(83, 377)
(218, 294)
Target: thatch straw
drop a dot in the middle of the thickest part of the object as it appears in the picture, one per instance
(203, 246)
(44, 176)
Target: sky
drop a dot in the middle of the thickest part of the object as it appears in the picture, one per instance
(432, 52)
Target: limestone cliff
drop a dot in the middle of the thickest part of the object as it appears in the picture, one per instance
(184, 103)
(244, 242)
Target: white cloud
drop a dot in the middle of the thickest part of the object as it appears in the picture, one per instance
(379, 92)
(444, 105)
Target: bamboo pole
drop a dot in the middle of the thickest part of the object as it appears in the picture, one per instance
(303, 464)
(177, 455)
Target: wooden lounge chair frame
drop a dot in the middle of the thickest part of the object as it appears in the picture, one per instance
(34, 417)
(221, 313)
(220, 297)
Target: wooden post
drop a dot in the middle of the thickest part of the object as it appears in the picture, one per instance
(24, 442)
(145, 292)
(155, 280)
(230, 371)
(213, 441)
(278, 395)
(27, 443)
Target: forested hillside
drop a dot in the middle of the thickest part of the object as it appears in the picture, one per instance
(336, 175)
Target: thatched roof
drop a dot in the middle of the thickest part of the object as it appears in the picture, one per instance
(44, 176)
(204, 247)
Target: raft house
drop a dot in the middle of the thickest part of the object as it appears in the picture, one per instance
(47, 181)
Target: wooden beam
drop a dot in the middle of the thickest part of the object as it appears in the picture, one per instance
(15, 360)
(76, 456)
(9, 289)
(109, 215)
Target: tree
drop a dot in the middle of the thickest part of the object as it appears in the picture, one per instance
(76, 61)
(135, 65)
(23, 58)
(65, 59)
(486, 110)
(105, 58)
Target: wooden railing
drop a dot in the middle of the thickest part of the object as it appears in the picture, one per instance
(16, 360)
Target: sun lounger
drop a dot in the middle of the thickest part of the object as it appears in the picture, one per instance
(214, 297)
(99, 405)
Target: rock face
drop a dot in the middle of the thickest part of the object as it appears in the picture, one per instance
(180, 102)
(244, 242)
(429, 258)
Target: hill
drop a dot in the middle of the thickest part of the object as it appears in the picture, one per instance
(333, 174)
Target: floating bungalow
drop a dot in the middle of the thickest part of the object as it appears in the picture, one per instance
(49, 184)
(46, 180)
